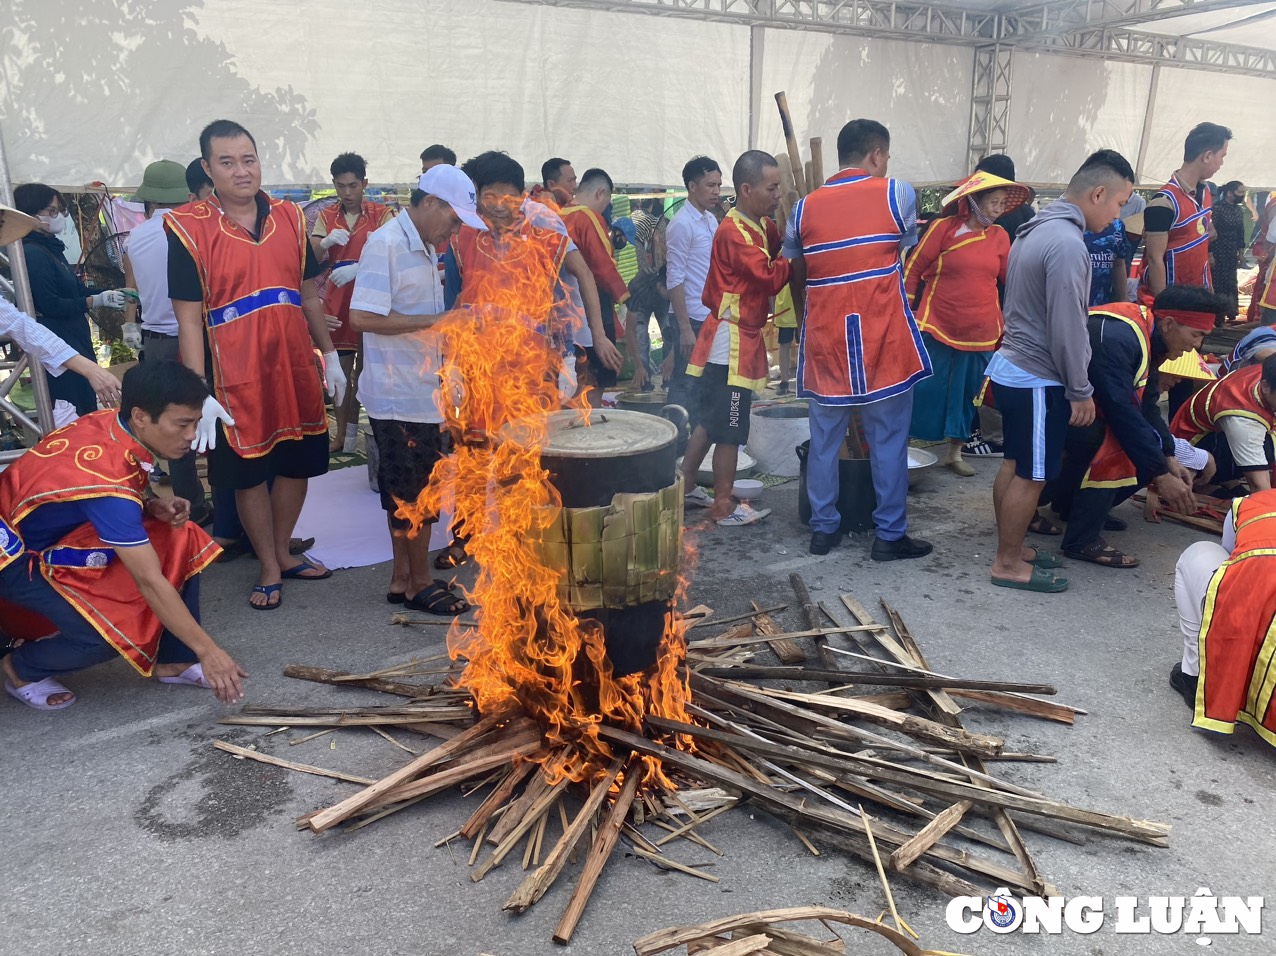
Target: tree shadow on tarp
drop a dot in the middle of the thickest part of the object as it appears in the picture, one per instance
(96, 90)
(904, 86)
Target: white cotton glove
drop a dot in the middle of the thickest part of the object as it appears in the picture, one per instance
(344, 275)
(334, 379)
(111, 299)
(132, 335)
(567, 383)
(338, 237)
(206, 430)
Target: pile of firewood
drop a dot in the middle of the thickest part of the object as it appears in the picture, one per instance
(873, 760)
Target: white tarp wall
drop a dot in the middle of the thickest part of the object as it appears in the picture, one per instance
(96, 89)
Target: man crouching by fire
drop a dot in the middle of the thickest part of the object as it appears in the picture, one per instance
(82, 539)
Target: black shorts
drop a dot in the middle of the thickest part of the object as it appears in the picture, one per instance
(603, 376)
(406, 455)
(787, 334)
(305, 457)
(1034, 422)
(721, 409)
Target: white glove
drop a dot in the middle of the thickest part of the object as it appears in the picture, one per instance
(206, 430)
(344, 275)
(334, 379)
(111, 299)
(338, 237)
(567, 378)
(132, 335)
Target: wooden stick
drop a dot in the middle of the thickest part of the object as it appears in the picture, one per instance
(478, 844)
(328, 818)
(805, 842)
(319, 675)
(538, 883)
(404, 747)
(785, 648)
(715, 643)
(665, 863)
(758, 672)
(479, 818)
(667, 939)
(532, 818)
(491, 757)
(927, 836)
(817, 163)
(696, 621)
(811, 614)
(603, 844)
(302, 740)
(897, 651)
(881, 870)
(521, 805)
(288, 764)
(790, 141)
(693, 823)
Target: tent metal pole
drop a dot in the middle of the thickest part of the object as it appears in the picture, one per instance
(1147, 121)
(22, 296)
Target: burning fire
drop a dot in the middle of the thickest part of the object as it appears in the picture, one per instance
(530, 652)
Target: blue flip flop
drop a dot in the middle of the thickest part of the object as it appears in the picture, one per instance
(269, 590)
(298, 572)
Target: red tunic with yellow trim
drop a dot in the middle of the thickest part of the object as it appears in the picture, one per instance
(336, 299)
(1187, 247)
(860, 342)
(96, 457)
(745, 271)
(587, 229)
(1111, 467)
(960, 305)
(1236, 393)
(1267, 298)
(258, 341)
(1238, 630)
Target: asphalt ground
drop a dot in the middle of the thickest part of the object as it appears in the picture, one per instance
(127, 833)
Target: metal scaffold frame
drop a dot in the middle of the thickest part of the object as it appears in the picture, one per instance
(990, 102)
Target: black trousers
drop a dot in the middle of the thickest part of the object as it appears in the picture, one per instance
(1085, 509)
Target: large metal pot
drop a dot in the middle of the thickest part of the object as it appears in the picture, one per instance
(612, 451)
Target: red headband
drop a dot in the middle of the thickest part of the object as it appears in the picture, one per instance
(1203, 321)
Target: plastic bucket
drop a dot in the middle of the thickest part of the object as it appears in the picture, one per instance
(856, 498)
(774, 430)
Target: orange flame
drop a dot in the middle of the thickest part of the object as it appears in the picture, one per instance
(529, 651)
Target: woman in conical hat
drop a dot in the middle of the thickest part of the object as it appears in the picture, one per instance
(956, 268)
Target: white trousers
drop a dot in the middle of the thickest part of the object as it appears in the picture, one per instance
(1192, 574)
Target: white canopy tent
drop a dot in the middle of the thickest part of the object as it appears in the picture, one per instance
(96, 91)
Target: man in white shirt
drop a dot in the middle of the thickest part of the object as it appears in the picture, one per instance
(165, 185)
(397, 300)
(688, 245)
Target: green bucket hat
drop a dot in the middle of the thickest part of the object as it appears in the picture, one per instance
(164, 181)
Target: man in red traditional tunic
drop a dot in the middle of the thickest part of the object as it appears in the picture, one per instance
(745, 271)
(1226, 597)
(1234, 419)
(1176, 223)
(1128, 446)
(860, 353)
(337, 238)
(241, 277)
(112, 569)
(588, 231)
(525, 261)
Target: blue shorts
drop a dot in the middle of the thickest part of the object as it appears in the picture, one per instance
(1034, 422)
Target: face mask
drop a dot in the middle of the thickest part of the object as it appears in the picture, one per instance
(56, 223)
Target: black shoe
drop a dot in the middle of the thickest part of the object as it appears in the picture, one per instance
(204, 518)
(1185, 684)
(822, 542)
(905, 547)
(979, 447)
(782, 388)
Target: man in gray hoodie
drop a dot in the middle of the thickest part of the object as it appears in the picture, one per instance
(1039, 375)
